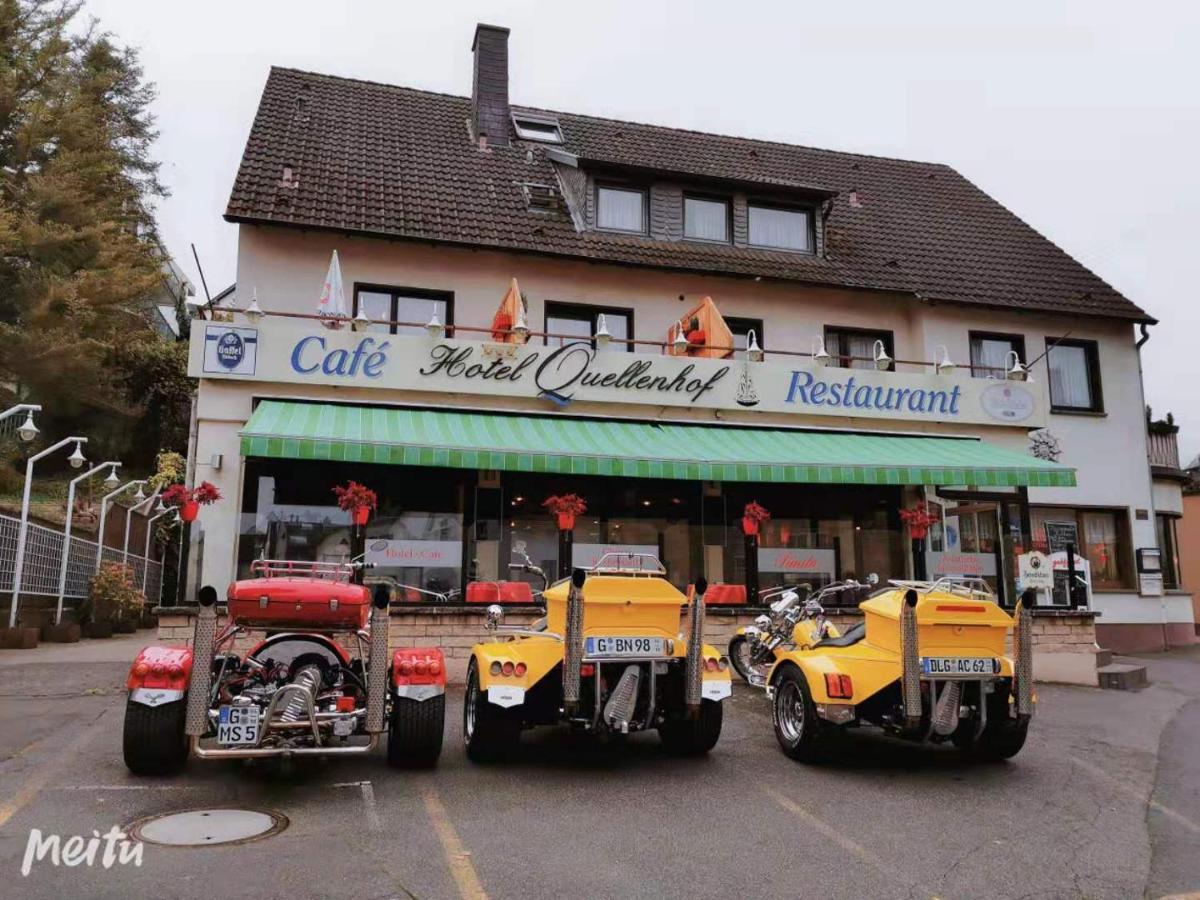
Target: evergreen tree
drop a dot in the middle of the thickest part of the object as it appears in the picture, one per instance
(78, 256)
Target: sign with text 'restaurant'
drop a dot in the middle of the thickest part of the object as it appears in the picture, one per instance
(578, 373)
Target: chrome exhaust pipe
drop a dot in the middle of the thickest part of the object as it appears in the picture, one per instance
(1023, 662)
(200, 684)
(910, 662)
(377, 674)
(573, 643)
(695, 645)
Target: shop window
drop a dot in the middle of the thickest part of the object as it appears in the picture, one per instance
(1101, 536)
(1168, 545)
(741, 329)
(990, 353)
(387, 306)
(706, 219)
(620, 209)
(1074, 376)
(567, 322)
(780, 228)
(854, 348)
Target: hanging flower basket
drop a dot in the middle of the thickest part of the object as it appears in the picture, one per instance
(919, 519)
(357, 499)
(565, 508)
(752, 518)
(189, 500)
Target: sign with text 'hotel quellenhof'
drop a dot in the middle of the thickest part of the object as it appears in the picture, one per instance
(577, 372)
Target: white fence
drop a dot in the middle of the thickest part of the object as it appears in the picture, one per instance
(43, 563)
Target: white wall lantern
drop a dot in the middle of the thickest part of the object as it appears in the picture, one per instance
(602, 336)
(944, 366)
(680, 344)
(434, 327)
(27, 430)
(883, 362)
(76, 459)
(521, 329)
(819, 355)
(1015, 372)
(254, 312)
(754, 353)
(361, 319)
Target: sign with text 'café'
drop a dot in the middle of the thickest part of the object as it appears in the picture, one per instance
(577, 372)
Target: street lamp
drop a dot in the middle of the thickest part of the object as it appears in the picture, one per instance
(27, 431)
(150, 530)
(23, 529)
(104, 515)
(112, 466)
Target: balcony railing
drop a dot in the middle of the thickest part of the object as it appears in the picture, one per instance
(1163, 449)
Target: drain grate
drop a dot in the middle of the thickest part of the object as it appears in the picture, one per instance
(208, 827)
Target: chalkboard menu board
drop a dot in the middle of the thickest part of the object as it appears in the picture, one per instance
(1059, 534)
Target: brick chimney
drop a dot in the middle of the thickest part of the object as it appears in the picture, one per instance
(489, 86)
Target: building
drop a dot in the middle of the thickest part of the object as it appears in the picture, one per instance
(1188, 531)
(971, 363)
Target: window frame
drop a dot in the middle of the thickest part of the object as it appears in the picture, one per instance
(1172, 571)
(808, 211)
(888, 338)
(709, 198)
(1127, 577)
(568, 309)
(627, 188)
(398, 292)
(1017, 340)
(757, 325)
(1091, 351)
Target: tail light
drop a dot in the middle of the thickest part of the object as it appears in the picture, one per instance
(175, 670)
(420, 667)
(435, 667)
(405, 667)
(494, 668)
(710, 664)
(345, 704)
(141, 669)
(839, 686)
(587, 670)
(520, 669)
(158, 668)
(507, 668)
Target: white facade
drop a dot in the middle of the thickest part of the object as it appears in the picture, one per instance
(285, 269)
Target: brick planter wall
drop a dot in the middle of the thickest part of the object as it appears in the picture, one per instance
(1064, 640)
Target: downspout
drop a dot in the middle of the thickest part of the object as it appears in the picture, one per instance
(1162, 603)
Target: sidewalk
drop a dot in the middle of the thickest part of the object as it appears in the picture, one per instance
(118, 648)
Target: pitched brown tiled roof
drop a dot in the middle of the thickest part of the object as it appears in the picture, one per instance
(398, 162)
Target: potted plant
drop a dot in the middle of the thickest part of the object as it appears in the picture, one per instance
(752, 518)
(112, 602)
(189, 500)
(358, 500)
(919, 519)
(565, 508)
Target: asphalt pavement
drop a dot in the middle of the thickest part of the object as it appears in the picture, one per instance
(1103, 802)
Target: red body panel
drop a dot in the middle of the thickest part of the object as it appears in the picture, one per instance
(161, 667)
(724, 595)
(312, 603)
(499, 592)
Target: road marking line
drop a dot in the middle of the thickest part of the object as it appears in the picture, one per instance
(458, 858)
(368, 795)
(130, 787)
(1152, 804)
(40, 777)
(829, 831)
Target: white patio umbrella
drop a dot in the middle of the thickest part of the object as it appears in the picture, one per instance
(333, 296)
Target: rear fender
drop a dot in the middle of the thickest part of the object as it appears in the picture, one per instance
(715, 685)
(540, 656)
(159, 675)
(814, 668)
(418, 673)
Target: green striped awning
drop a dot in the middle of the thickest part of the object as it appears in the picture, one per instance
(471, 440)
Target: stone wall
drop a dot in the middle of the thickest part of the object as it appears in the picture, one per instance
(1064, 641)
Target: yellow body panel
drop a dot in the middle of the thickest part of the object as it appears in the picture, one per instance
(947, 625)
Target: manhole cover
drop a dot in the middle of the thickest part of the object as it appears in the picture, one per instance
(208, 827)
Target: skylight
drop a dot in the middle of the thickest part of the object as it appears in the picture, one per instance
(537, 128)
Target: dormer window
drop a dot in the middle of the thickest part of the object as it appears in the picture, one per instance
(780, 228)
(705, 219)
(537, 128)
(620, 209)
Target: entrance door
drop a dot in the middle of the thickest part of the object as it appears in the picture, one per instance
(972, 542)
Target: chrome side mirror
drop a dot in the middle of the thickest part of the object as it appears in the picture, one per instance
(495, 613)
(872, 579)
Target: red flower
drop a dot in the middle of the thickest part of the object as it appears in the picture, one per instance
(918, 519)
(354, 496)
(179, 494)
(755, 512)
(570, 504)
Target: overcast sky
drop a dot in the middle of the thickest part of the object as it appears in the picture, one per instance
(1083, 118)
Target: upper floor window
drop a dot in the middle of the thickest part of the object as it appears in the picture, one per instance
(385, 306)
(1074, 375)
(741, 329)
(621, 209)
(537, 128)
(567, 322)
(705, 219)
(780, 228)
(990, 353)
(854, 348)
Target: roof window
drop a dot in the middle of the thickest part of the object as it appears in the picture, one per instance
(537, 128)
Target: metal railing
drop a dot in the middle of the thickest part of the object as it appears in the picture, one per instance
(1163, 449)
(43, 562)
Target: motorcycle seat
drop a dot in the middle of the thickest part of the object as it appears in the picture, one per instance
(852, 636)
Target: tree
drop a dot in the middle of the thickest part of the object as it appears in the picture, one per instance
(78, 256)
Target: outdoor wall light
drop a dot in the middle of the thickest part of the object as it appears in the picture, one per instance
(254, 312)
(140, 495)
(160, 508)
(754, 352)
(602, 336)
(361, 319)
(819, 355)
(521, 329)
(112, 480)
(76, 459)
(883, 362)
(28, 431)
(434, 327)
(944, 366)
(1015, 372)
(680, 344)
